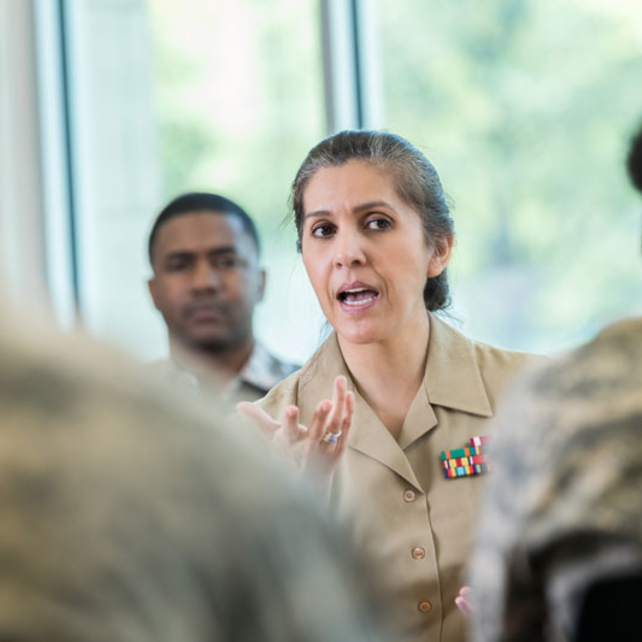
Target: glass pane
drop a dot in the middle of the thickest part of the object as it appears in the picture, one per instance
(239, 99)
(525, 107)
(235, 98)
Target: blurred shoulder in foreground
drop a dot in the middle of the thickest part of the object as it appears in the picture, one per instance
(129, 514)
(563, 511)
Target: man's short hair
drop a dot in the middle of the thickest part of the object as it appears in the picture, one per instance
(199, 201)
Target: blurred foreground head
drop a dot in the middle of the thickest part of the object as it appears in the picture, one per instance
(559, 546)
(126, 517)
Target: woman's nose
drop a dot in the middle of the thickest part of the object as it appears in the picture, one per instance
(349, 249)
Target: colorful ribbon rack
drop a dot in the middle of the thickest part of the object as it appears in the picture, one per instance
(466, 462)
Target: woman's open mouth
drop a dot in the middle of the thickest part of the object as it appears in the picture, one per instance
(357, 298)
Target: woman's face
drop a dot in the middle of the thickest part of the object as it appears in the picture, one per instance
(365, 252)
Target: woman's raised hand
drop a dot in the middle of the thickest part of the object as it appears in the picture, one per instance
(464, 601)
(316, 447)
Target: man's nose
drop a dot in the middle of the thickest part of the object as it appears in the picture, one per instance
(349, 250)
(205, 277)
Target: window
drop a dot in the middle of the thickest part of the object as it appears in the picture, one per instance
(172, 97)
(239, 102)
(524, 108)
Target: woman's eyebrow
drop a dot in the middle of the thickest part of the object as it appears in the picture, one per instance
(316, 213)
(368, 206)
(355, 210)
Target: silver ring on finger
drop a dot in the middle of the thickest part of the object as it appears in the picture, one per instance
(331, 437)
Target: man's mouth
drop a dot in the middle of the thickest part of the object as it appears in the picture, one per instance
(357, 297)
(205, 312)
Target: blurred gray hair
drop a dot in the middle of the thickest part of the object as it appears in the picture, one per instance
(128, 516)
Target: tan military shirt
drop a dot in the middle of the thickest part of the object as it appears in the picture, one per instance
(415, 525)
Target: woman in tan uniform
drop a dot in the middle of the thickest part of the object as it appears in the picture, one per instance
(376, 236)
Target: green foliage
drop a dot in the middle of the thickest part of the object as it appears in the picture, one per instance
(524, 105)
(239, 97)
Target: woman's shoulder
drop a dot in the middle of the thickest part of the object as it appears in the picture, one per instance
(493, 357)
(447, 333)
(500, 368)
(495, 365)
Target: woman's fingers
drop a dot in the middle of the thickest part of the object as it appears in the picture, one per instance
(268, 425)
(327, 435)
(346, 421)
(335, 419)
(291, 423)
(464, 602)
(318, 425)
(329, 417)
(337, 449)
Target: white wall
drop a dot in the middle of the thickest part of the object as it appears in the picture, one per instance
(22, 248)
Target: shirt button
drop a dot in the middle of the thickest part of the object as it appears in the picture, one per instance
(424, 606)
(418, 553)
(409, 495)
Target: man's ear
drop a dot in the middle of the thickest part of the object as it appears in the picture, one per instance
(441, 255)
(151, 286)
(262, 281)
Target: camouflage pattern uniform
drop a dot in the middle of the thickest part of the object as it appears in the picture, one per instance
(127, 516)
(259, 375)
(563, 506)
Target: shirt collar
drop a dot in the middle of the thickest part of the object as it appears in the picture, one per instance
(453, 378)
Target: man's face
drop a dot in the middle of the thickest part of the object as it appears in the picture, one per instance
(206, 280)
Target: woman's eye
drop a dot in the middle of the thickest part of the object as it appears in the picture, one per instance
(321, 231)
(378, 224)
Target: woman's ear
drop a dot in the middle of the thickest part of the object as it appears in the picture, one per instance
(440, 256)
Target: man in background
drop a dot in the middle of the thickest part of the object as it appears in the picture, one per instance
(204, 251)
(559, 549)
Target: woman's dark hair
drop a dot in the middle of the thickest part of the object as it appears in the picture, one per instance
(415, 179)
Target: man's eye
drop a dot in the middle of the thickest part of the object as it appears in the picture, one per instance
(322, 231)
(378, 224)
(177, 266)
(227, 262)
